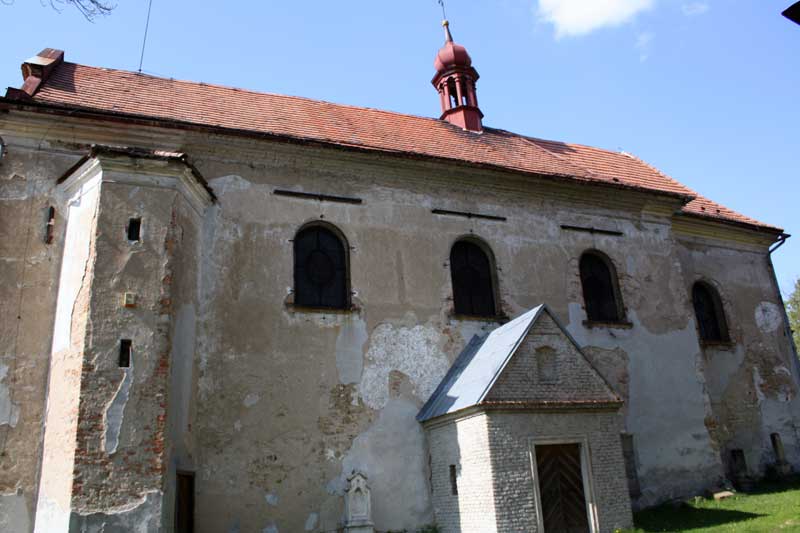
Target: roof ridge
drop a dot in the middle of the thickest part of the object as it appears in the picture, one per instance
(262, 93)
(525, 137)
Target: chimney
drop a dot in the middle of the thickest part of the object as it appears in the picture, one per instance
(35, 71)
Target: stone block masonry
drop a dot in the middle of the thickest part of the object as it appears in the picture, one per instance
(492, 453)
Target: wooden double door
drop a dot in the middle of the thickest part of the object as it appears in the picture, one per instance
(561, 488)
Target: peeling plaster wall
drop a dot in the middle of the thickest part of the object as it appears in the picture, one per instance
(72, 327)
(132, 443)
(118, 429)
(655, 363)
(751, 386)
(142, 516)
(413, 352)
(392, 454)
(9, 411)
(183, 359)
(29, 269)
(272, 405)
(120, 420)
(321, 398)
(666, 407)
(14, 513)
(330, 386)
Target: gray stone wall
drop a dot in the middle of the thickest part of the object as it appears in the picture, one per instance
(465, 446)
(496, 491)
(511, 434)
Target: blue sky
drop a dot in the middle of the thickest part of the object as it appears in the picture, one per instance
(705, 90)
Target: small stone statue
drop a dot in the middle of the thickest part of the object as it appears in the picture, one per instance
(357, 505)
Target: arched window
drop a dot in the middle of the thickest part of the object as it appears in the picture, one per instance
(600, 290)
(473, 288)
(709, 313)
(320, 269)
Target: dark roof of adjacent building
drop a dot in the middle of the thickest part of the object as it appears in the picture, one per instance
(479, 366)
(139, 96)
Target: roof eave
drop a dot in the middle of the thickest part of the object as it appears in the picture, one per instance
(33, 105)
(770, 230)
(523, 406)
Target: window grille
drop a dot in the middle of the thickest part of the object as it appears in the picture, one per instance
(600, 291)
(320, 269)
(471, 272)
(709, 313)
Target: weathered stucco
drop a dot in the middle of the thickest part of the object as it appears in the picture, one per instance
(143, 516)
(271, 405)
(14, 513)
(69, 339)
(29, 269)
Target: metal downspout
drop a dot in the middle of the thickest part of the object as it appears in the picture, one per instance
(794, 364)
(782, 238)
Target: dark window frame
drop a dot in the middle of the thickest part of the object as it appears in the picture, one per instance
(777, 447)
(453, 475)
(50, 225)
(631, 468)
(184, 523)
(712, 329)
(134, 229)
(462, 308)
(125, 353)
(600, 313)
(338, 299)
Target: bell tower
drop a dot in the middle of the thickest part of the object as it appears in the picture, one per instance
(455, 81)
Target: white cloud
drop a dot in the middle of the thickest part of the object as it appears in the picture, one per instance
(695, 8)
(579, 17)
(643, 41)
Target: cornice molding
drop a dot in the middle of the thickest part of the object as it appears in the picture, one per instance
(692, 229)
(270, 153)
(140, 171)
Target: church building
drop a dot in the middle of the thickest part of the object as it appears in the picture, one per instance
(231, 311)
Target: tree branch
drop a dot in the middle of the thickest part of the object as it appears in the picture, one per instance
(88, 8)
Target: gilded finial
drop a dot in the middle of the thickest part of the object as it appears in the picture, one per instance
(447, 37)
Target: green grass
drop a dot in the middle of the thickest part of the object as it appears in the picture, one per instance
(772, 508)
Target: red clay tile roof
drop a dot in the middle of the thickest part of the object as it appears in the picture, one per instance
(141, 95)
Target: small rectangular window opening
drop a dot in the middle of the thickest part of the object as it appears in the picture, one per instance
(777, 447)
(738, 464)
(134, 229)
(453, 481)
(51, 225)
(629, 455)
(125, 347)
(184, 503)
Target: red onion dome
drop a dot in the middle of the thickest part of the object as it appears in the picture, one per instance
(451, 55)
